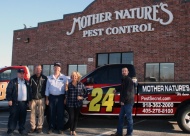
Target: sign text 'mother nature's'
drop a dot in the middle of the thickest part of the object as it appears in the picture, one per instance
(148, 13)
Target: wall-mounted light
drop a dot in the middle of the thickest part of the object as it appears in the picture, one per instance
(18, 38)
(27, 40)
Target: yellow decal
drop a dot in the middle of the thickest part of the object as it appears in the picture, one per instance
(3, 86)
(108, 100)
(93, 104)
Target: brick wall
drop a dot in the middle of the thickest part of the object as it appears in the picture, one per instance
(49, 42)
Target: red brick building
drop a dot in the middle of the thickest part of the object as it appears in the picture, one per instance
(153, 35)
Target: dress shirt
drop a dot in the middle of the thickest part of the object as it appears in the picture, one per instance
(22, 90)
(56, 86)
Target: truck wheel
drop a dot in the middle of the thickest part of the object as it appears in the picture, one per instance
(66, 119)
(183, 119)
(46, 113)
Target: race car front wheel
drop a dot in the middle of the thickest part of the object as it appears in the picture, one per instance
(183, 119)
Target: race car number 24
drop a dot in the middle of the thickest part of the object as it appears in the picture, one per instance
(107, 101)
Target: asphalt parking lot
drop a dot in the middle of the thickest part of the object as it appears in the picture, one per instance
(104, 126)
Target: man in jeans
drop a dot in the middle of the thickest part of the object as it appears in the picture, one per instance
(126, 101)
(55, 95)
(18, 95)
(38, 86)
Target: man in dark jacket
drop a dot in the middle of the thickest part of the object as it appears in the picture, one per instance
(38, 86)
(126, 101)
(18, 94)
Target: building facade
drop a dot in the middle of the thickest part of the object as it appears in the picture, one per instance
(153, 35)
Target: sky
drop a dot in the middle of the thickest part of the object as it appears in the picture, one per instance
(15, 13)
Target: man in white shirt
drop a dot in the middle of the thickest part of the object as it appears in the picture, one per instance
(18, 94)
(55, 95)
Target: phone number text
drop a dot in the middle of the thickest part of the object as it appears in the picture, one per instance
(157, 111)
(158, 104)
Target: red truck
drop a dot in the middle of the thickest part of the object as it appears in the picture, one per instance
(151, 98)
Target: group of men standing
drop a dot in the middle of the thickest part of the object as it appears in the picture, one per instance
(37, 93)
(41, 91)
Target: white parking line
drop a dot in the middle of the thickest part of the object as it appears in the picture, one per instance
(3, 122)
(139, 121)
(4, 116)
(108, 132)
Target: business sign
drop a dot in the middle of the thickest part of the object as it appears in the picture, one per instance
(165, 88)
(147, 13)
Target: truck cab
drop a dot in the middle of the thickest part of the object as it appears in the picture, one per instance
(101, 83)
(6, 74)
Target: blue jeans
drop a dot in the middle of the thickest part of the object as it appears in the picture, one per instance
(125, 110)
(56, 111)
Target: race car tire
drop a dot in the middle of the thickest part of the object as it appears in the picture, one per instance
(183, 119)
(66, 119)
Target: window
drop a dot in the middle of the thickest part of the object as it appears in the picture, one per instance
(100, 76)
(31, 69)
(107, 75)
(102, 59)
(152, 72)
(51, 70)
(8, 74)
(82, 69)
(13, 73)
(47, 70)
(114, 75)
(159, 72)
(127, 58)
(166, 72)
(71, 69)
(114, 58)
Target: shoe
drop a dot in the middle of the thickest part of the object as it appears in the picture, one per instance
(31, 130)
(50, 131)
(23, 133)
(39, 130)
(116, 134)
(60, 132)
(10, 132)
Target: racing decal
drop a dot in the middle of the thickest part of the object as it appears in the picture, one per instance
(165, 88)
(103, 101)
(99, 100)
(97, 94)
(3, 86)
(158, 104)
(155, 98)
(182, 94)
(157, 108)
(157, 111)
(162, 98)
